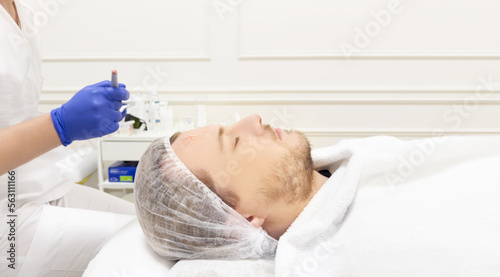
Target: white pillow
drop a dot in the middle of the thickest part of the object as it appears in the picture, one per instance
(128, 254)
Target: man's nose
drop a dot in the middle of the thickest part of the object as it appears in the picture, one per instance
(251, 124)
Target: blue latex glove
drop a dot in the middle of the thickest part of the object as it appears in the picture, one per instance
(92, 112)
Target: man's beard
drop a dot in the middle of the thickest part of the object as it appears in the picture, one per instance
(292, 176)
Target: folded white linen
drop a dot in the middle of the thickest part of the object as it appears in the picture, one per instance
(428, 207)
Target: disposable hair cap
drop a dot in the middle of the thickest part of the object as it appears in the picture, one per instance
(183, 219)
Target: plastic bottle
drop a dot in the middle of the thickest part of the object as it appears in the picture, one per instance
(139, 110)
(163, 116)
(169, 124)
(167, 117)
(201, 114)
(154, 112)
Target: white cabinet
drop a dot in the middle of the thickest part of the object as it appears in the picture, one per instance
(120, 148)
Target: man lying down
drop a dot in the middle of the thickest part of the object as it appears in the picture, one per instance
(376, 206)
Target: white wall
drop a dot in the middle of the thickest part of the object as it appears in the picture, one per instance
(425, 66)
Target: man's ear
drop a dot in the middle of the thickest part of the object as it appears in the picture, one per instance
(256, 221)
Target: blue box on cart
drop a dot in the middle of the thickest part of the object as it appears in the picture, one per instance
(122, 171)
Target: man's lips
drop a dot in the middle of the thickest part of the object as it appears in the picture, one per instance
(279, 132)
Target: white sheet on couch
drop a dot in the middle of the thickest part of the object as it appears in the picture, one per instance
(128, 254)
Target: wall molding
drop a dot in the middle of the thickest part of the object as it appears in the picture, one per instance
(363, 55)
(331, 132)
(403, 55)
(127, 58)
(284, 96)
(265, 90)
(318, 101)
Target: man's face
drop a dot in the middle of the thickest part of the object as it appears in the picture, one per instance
(249, 166)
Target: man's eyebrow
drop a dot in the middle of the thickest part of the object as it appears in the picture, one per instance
(221, 140)
(174, 137)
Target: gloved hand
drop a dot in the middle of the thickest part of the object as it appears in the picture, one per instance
(92, 112)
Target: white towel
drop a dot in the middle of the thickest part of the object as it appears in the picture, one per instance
(427, 207)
